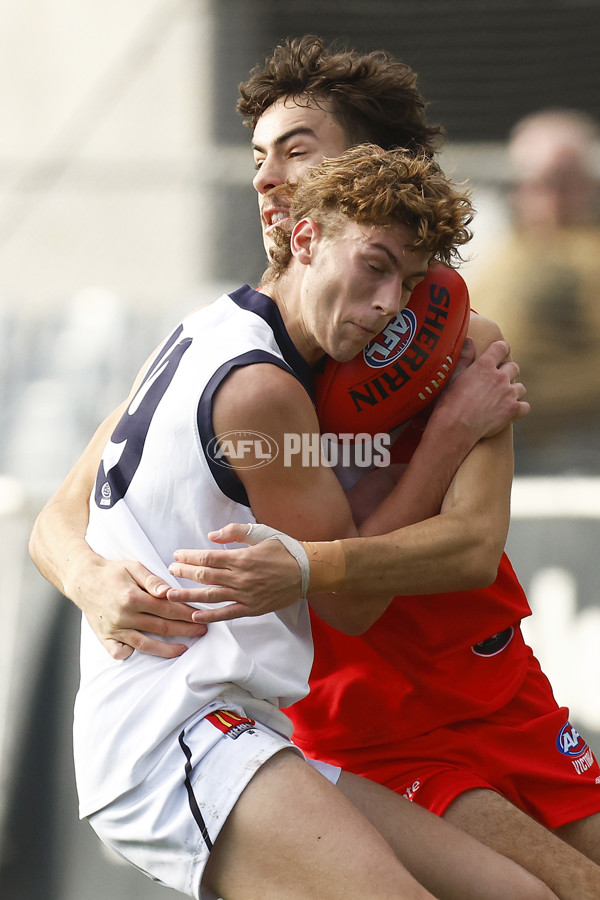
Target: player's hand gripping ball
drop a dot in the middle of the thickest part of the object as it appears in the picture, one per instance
(404, 368)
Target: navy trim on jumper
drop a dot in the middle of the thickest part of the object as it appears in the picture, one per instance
(262, 305)
(223, 474)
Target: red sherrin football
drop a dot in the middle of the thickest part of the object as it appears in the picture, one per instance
(403, 369)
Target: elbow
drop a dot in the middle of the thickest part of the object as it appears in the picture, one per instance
(360, 616)
(482, 577)
(37, 542)
(352, 625)
(482, 562)
(350, 615)
(32, 543)
(356, 627)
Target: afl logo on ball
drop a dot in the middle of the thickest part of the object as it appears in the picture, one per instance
(392, 341)
(569, 741)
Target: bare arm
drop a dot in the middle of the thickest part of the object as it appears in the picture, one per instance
(463, 544)
(472, 407)
(120, 599)
(295, 493)
(458, 549)
(58, 536)
(451, 551)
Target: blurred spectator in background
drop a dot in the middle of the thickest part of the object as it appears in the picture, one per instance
(542, 285)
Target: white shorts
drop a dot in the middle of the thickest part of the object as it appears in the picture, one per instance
(167, 825)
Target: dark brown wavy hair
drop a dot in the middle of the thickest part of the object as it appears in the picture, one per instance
(374, 97)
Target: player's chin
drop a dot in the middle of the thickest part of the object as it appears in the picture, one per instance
(345, 349)
(345, 354)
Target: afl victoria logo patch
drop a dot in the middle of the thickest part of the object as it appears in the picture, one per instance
(569, 742)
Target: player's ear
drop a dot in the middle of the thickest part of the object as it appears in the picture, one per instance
(304, 234)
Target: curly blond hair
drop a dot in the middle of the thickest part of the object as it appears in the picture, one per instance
(372, 186)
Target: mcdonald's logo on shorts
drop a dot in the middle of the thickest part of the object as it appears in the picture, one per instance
(230, 723)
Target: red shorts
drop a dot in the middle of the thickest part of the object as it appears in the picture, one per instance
(527, 751)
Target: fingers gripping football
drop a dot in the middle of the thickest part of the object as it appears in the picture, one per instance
(485, 396)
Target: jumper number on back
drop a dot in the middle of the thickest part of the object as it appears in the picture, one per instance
(133, 427)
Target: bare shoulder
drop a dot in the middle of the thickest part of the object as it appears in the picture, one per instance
(483, 332)
(261, 392)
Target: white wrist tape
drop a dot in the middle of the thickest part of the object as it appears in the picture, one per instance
(258, 533)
